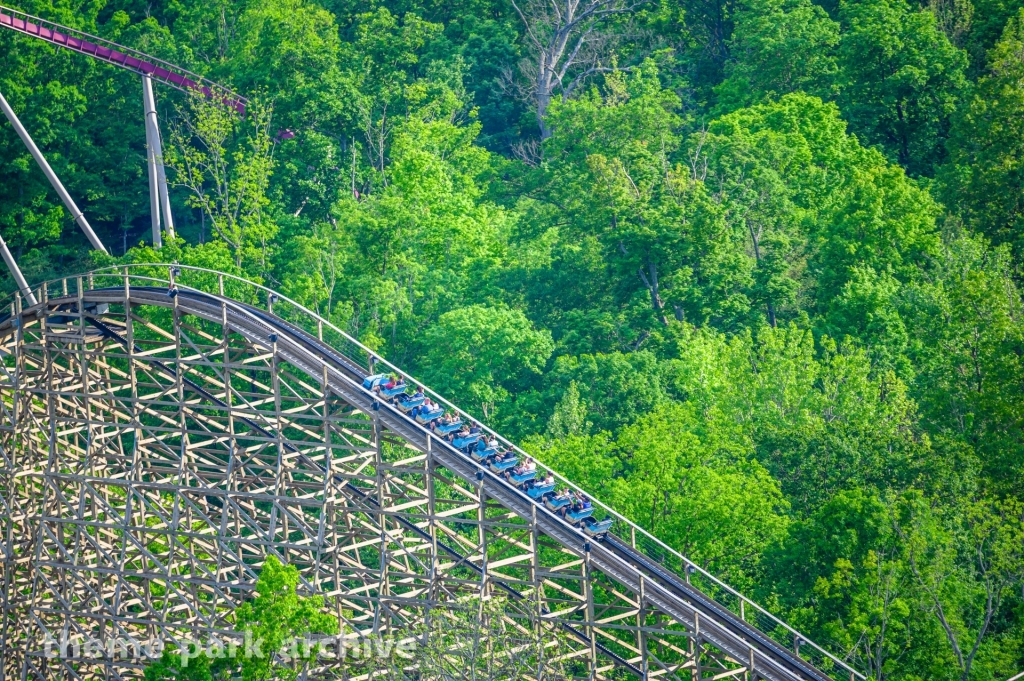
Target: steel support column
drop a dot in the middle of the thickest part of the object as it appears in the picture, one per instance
(154, 191)
(69, 203)
(12, 265)
(155, 159)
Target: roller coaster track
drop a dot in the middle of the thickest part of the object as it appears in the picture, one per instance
(249, 411)
(117, 55)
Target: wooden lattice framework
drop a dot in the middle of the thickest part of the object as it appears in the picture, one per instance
(156, 448)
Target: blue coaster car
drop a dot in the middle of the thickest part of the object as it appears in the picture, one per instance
(443, 430)
(394, 392)
(461, 442)
(522, 478)
(597, 528)
(555, 503)
(371, 382)
(481, 455)
(427, 417)
(576, 517)
(502, 466)
(409, 404)
(538, 492)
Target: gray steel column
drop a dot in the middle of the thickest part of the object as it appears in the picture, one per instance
(19, 278)
(153, 136)
(51, 176)
(154, 192)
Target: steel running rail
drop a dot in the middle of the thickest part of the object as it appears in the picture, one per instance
(118, 55)
(641, 554)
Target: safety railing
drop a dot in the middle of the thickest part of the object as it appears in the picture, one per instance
(256, 295)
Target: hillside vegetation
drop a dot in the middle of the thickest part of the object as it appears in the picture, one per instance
(749, 270)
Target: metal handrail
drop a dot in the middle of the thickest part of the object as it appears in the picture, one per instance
(800, 641)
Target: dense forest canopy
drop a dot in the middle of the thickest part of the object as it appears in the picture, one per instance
(749, 270)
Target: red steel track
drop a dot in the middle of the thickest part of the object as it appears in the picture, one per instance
(118, 55)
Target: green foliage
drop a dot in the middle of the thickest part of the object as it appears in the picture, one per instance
(983, 180)
(483, 354)
(276, 616)
(682, 478)
(615, 388)
(810, 207)
(778, 47)
(966, 326)
(569, 417)
(900, 80)
(226, 166)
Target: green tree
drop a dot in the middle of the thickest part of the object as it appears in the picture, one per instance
(226, 163)
(610, 175)
(778, 47)
(967, 566)
(842, 575)
(983, 181)
(275, 618)
(818, 418)
(614, 388)
(479, 356)
(569, 417)
(698, 490)
(807, 206)
(900, 80)
(685, 478)
(967, 338)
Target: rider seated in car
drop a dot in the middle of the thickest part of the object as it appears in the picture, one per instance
(424, 408)
(385, 385)
(436, 421)
(427, 407)
(459, 434)
(525, 467)
(540, 482)
(392, 383)
(475, 428)
(571, 496)
(405, 397)
(505, 456)
(579, 503)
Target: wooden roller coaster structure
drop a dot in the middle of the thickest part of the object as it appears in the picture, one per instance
(164, 429)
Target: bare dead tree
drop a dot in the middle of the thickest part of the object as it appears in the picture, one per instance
(570, 44)
(527, 151)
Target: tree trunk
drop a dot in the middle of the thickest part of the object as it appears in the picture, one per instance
(652, 286)
(543, 100)
(755, 238)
